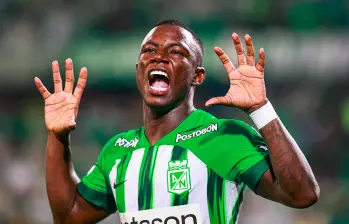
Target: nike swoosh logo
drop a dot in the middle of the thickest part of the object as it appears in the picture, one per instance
(117, 185)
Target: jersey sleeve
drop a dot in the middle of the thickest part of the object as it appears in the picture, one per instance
(94, 187)
(250, 157)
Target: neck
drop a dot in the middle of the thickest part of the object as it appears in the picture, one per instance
(159, 123)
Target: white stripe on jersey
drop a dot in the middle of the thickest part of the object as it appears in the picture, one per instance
(231, 193)
(112, 176)
(131, 181)
(239, 188)
(198, 176)
(161, 196)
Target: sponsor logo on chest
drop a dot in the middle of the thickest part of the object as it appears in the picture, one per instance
(208, 129)
(184, 214)
(125, 143)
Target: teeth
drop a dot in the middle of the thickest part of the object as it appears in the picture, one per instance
(153, 73)
(158, 88)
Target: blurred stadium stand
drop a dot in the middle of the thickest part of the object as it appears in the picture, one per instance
(307, 78)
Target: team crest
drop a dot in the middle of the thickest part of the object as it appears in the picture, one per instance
(178, 177)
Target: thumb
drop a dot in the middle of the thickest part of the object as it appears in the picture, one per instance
(216, 100)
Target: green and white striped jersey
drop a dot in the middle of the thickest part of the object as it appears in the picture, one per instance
(195, 174)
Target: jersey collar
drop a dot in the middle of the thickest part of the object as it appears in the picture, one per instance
(192, 121)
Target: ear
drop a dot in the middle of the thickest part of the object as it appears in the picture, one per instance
(136, 66)
(199, 77)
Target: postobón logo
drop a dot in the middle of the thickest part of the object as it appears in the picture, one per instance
(208, 129)
(125, 143)
(184, 214)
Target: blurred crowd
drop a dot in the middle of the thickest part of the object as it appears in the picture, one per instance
(307, 47)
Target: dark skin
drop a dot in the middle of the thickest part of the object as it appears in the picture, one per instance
(290, 181)
(171, 49)
(290, 174)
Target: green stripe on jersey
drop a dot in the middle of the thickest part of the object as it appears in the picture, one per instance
(145, 185)
(99, 199)
(180, 154)
(120, 176)
(216, 197)
(237, 205)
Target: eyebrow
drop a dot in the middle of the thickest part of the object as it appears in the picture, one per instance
(170, 45)
(179, 45)
(150, 42)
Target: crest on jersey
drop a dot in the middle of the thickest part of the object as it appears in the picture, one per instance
(178, 177)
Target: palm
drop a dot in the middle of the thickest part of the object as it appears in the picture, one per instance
(60, 111)
(247, 88)
(61, 107)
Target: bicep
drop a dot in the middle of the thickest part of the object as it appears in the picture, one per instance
(94, 199)
(85, 212)
(268, 188)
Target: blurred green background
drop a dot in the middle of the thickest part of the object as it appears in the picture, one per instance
(307, 48)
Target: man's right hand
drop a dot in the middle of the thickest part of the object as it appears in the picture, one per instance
(61, 107)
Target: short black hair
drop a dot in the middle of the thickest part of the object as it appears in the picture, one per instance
(182, 25)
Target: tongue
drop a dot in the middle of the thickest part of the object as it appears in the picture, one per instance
(159, 83)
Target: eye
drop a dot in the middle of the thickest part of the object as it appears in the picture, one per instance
(176, 52)
(148, 50)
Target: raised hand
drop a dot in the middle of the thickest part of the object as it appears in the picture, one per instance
(61, 107)
(247, 88)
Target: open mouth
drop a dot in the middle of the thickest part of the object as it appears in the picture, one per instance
(158, 80)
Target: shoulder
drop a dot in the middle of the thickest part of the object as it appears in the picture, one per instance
(233, 126)
(233, 129)
(241, 131)
(121, 143)
(229, 126)
(126, 139)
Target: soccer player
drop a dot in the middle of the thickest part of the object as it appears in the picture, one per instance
(184, 165)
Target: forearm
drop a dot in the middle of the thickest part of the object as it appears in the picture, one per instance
(61, 178)
(292, 170)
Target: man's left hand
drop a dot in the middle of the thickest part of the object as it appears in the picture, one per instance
(247, 88)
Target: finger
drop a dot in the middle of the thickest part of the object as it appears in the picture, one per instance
(250, 50)
(228, 65)
(80, 86)
(72, 125)
(261, 60)
(239, 49)
(216, 100)
(42, 89)
(56, 77)
(69, 76)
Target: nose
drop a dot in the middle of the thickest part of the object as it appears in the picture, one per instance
(160, 58)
